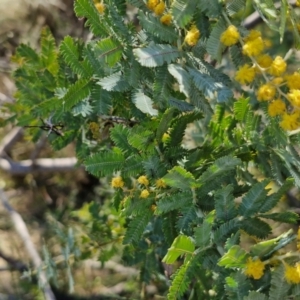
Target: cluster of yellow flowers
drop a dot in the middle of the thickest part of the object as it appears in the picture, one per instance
(117, 182)
(158, 7)
(287, 106)
(255, 268)
(95, 130)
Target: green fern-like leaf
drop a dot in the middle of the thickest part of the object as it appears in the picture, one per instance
(154, 168)
(115, 82)
(178, 177)
(235, 6)
(182, 76)
(271, 201)
(224, 231)
(214, 46)
(254, 199)
(49, 52)
(156, 55)
(70, 52)
(255, 296)
(256, 227)
(104, 163)
(284, 217)
(180, 282)
(136, 227)
(221, 165)
(90, 56)
(202, 238)
(162, 85)
(224, 202)
(132, 166)
(211, 8)
(187, 219)
(109, 50)
(182, 11)
(119, 134)
(279, 286)
(174, 202)
(101, 100)
(179, 125)
(237, 56)
(164, 123)
(143, 103)
(87, 9)
(77, 92)
(152, 25)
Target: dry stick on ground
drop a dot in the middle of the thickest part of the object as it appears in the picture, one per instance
(30, 165)
(21, 229)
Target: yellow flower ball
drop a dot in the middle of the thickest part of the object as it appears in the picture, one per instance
(245, 74)
(276, 107)
(253, 47)
(151, 4)
(144, 194)
(143, 180)
(264, 61)
(117, 182)
(294, 97)
(291, 274)
(192, 36)
(100, 7)
(293, 81)
(278, 66)
(254, 268)
(230, 36)
(266, 92)
(290, 121)
(160, 8)
(166, 19)
(160, 183)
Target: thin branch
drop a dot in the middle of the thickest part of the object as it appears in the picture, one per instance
(38, 165)
(22, 230)
(255, 19)
(10, 139)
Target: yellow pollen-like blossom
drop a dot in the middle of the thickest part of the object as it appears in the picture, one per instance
(100, 7)
(254, 268)
(143, 180)
(117, 182)
(253, 35)
(293, 81)
(230, 36)
(278, 66)
(160, 8)
(144, 194)
(245, 74)
(264, 61)
(290, 121)
(153, 207)
(294, 97)
(151, 4)
(166, 19)
(160, 183)
(192, 36)
(291, 275)
(268, 43)
(276, 107)
(266, 92)
(253, 47)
